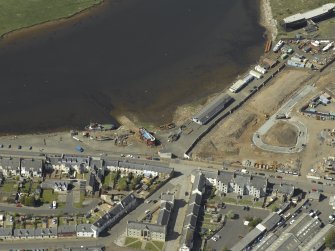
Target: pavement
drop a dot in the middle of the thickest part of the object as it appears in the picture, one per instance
(285, 109)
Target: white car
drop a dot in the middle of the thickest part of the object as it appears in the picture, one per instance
(292, 221)
(214, 238)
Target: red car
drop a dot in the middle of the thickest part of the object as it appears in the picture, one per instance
(18, 205)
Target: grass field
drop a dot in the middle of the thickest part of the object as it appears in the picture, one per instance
(16, 14)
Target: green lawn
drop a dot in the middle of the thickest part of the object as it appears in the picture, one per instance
(16, 14)
(8, 187)
(159, 244)
(150, 247)
(129, 240)
(136, 245)
(48, 196)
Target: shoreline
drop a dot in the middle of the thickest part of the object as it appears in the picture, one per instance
(38, 27)
(267, 20)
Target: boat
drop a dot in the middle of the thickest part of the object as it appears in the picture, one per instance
(147, 136)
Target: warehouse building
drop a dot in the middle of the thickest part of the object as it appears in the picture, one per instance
(213, 109)
(300, 19)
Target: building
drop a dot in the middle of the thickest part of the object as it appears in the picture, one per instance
(10, 166)
(65, 163)
(158, 230)
(283, 192)
(300, 19)
(146, 231)
(84, 230)
(266, 225)
(213, 109)
(45, 233)
(241, 184)
(139, 169)
(6, 233)
(198, 181)
(31, 167)
(126, 205)
(66, 231)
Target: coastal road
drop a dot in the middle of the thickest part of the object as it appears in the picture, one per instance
(285, 109)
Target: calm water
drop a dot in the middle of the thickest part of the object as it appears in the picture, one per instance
(142, 57)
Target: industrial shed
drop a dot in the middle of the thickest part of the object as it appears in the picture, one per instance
(213, 109)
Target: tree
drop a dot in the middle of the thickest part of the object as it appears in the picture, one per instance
(254, 223)
(135, 181)
(330, 239)
(230, 214)
(122, 185)
(212, 195)
(28, 201)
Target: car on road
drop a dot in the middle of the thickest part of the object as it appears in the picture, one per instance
(30, 147)
(1, 146)
(9, 146)
(18, 205)
(279, 177)
(19, 147)
(292, 221)
(148, 201)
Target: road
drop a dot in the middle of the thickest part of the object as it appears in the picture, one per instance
(285, 109)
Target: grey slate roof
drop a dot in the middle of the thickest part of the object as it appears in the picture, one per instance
(190, 221)
(195, 198)
(65, 229)
(32, 164)
(247, 240)
(86, 228)
(6, 232)
(24, 233)
(193, 209)
(186, 238)
(284, 189)
(225, 177)
(271, 221)
(46, 232)
(163, 217)
(11, 163)
(199, 181)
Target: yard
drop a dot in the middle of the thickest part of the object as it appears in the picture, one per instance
(24, 13)
(9, 187)
(48, 196)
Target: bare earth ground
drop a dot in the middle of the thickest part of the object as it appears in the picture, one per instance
(231, 139)
(281, 134)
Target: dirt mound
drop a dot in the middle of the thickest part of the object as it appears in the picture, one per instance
(281, 134)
